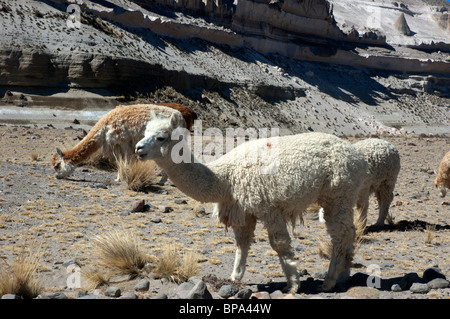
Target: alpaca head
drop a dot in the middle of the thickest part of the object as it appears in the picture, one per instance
(62, 168)
(158, 141)
(440, 185)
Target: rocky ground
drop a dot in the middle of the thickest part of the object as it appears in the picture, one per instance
(63, 217)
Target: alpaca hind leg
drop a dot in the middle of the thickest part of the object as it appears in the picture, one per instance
(280, 241)
(342, 231)
(385, 195)
(244, 236)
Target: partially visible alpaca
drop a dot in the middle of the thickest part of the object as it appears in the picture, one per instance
(117, 133)
(442, 181)
(384, 165)
(274, 180)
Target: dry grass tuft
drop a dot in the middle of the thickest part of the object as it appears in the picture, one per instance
(170, 265)
(94, 277)
(431, 229)
(120, 251)
(20, 277)
(139, 175)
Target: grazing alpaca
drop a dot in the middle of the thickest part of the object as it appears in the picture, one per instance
(117, 132)
(442, 180)
(384, 165)
(293, 172)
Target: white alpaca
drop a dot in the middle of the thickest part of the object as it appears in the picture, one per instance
(116, 133)
(293, 172)
(384, 165)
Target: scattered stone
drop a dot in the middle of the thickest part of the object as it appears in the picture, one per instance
(10, 296)
(438, 283)
(180, 201)
(363, 292)
(303, 272)
(183, 290)
(100, 185)
(226, 291)
(396, 288)
(432, 273)
(142, 285)
(261, 295)
(57, 295)
(160, 295)
(199, 291)
(129, 295)
(113, 292)
(419, 288)
(165, 209)
(156, 220)
(277, 294)
(244, 293)
(194, 279)
(138, 206)
(88, 297)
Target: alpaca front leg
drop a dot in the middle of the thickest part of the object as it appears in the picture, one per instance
(244, 236)
(342, 231)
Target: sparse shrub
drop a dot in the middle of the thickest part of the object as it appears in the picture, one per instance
(139, 175)
(431, 229)
(120, 251)
(169, 264)
(20, 277)
(94, 277)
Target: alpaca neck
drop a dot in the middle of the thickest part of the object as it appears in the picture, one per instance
(196, 180)
(83, 150)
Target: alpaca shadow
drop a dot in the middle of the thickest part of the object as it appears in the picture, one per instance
(406, 225)
(309, 286)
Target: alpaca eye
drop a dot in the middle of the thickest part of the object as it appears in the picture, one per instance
(160, 138)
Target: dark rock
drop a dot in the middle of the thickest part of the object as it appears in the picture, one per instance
(244, 293)
(138, 206)
(199, 291)
(113, 292)
(226, 291)
(142, 285)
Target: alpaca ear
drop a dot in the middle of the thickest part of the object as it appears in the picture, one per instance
(59, 152)
(175, 120)
(153, 114)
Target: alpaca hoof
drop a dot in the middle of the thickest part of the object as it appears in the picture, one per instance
(327, 286)
(291, 290)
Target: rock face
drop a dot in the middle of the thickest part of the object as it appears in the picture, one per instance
(402, 26)
(234, 59)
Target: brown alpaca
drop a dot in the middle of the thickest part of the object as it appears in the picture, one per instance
(442, 180)
(117, 132)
